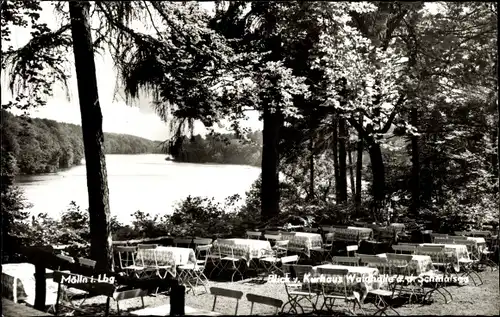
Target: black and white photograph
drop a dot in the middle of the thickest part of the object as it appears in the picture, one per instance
(222, 158)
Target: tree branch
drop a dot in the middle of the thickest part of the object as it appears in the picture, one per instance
(388, 124)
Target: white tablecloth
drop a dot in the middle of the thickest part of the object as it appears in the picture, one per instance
(419, 263)
(303, 241)
(480, 242)
(367, 274)
(458, 251)
(167, 256)
(247, 249)
(18, 283)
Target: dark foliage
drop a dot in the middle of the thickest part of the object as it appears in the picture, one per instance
(45, 146)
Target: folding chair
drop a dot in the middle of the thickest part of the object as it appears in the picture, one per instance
(352, 248)
(67, 258)
(298, 288)
(310, 230)
(71, 293)
(87, 262)
(272, 238)
(400, 267)
(438, 235)
(182, 242)
(223, 292)
(264, 300)
(270, 263)
(337, 289)
(232, 263)
(444, 240)
(326, 249)
(192, 275)
(486, 257)
(126, 256)
(440, 259)
(411, 249)
(202, 248)
(254, 235)
(460, 238)
(214, 256)
(146, 254)
(366, 259)
(472, 260)
(273, 232)
(346, 260)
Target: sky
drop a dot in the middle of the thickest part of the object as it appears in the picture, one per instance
(136, 117)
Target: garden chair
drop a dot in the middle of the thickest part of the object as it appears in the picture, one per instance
(298, 288)
(327, 249)
(460, 238)
(411, 249)
(273, 232)
(272, 238)
(192, 275)
(270, 264)
(214, 257)
(365, 259)
(310, 230)
(468, 265)
(337, 290)
(87, 263)
(352, 248)
(223, 292)
(486, 257)
(149, 265)
(264, 300)
(346, 260)
(182, 242)
(438, 235)
(442, 260)
(254, 235)
(400, 267)
(202, 248)
(127, 262)
(478, 233)
(230, 262)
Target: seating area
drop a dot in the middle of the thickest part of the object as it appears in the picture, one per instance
(330, 269)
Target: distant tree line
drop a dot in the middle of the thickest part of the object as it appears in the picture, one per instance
(220, 149)
(45, 146)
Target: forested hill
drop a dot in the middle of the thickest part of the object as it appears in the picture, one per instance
(44, 146)
(220, 149)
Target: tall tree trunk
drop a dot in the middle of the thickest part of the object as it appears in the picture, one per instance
(336, 170)
(270, 194)
(342, 160)
(311, 167)
(415, 170)
(351, 172)
(494, 156)
(93, 138)
(378, 171)
(359, 168)
(498, 141)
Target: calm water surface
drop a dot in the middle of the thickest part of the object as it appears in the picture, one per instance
(138, 182)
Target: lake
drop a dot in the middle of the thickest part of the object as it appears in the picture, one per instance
(138, 182)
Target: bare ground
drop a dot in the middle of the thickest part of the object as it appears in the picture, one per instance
(467, 300)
